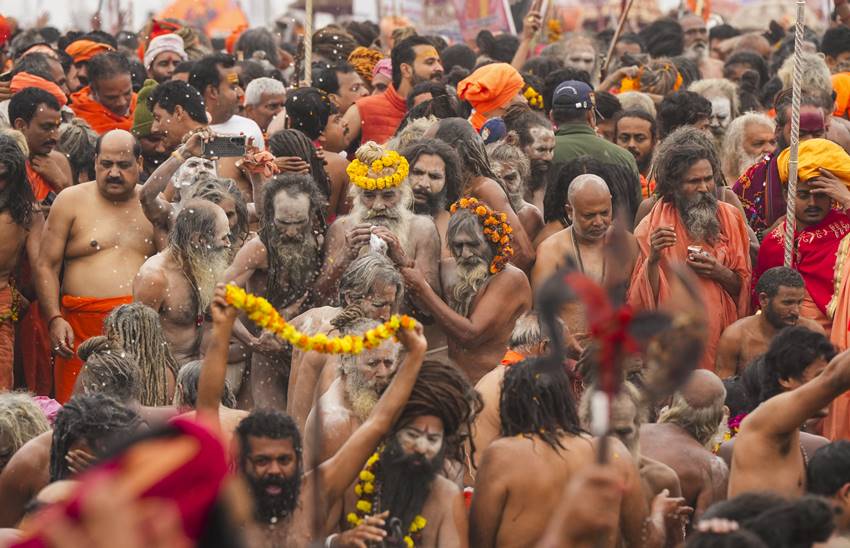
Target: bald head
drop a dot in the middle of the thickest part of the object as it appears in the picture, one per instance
(698, 407)
(587, 185)
(590, 207)
(703, 389)
(118, 164)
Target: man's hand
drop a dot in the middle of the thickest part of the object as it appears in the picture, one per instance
(356, 238)
(292, 164)
(413, 339)
(222, 312)
(660, 239)
(414, 280)
(706, 265)
(61, 337)
(833, 187)
(395, 251)
(293, 309)
(669, 512)
(371, 530)
(267, 343)
(46, 166)
(79, 461)
(194, 145)
(533, 22)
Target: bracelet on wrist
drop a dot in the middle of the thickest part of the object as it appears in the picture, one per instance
(50, 321)
(329, 542)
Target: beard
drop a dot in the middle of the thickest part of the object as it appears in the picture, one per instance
(206, 267)
(539, 172)
(745, 161)
(406, 481)
(697, 51)
(431, 206)
(396, 219)
(777, 321)
(362, 393)
(270, 507)
(293, 265)
(699, 214)
(471, 276)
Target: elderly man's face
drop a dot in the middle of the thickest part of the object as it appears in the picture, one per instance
(696, 34)
(759, 140)
(591, 211)
(721, 115)
(699, 179)
(581, 56)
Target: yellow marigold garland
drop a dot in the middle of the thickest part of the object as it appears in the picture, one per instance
(496, 230)
(365, 490)
(262, 313)
(358, 172)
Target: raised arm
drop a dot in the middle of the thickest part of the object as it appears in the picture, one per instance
(530, 27)
(250, 258)
(214, 370)
(338, 472)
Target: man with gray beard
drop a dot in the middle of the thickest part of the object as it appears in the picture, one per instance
(484, 297)
(412, 240)
(281, 266)
(179, 281)
(696, 46)
(689, 225)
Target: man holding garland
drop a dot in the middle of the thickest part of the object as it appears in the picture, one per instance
(485, 294)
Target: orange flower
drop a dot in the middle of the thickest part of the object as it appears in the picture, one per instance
(481, 211)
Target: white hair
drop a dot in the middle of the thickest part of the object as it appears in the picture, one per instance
(258, 87)
(637, 100)
(732, 149)
(712, 86)
(816, 74)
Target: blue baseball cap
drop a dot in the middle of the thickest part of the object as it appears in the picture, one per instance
(573, 94)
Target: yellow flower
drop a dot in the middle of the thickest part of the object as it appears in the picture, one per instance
(366, 475)
(368, 487)
(409, 542)
(364, 506)
(358, 490)
(373, 459)
(418, 524)
(352, 518)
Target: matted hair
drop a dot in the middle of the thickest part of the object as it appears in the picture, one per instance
(21, 419)
(109, 369)
(362, 275)
(701, 423)
(675, 155)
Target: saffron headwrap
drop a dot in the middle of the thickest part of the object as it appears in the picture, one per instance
(24, 80)
(83, 50)
(815, 154)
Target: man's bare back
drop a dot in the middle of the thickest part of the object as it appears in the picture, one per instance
(26, 474)
(338, 422)
(12, 240)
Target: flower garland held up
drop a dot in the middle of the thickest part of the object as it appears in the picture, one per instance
(365, 490)
(496, 230)
(358, 172)
(262, 313)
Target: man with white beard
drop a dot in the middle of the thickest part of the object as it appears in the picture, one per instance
(280, 265)
(696, 46)
(750, 138)
(179, 281)
(381, 208)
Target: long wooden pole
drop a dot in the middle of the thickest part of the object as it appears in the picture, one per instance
(308, 42)
(796, 90)
(616, 37)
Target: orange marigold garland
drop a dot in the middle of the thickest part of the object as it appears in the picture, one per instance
(497, 231)
(262, 313)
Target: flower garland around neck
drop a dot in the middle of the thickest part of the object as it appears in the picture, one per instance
(262, 313)
(358, 172)
(496, 230)
(365, 491)
(535, 100)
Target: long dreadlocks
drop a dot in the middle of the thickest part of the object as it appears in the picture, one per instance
(21, 419)
(460, 135)
(216, 190)
(291, 142)
(136, 329)
(16, 197)
(109, 369)
(97, 419)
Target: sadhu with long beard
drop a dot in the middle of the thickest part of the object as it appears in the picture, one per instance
(382, 202)
(485, 294)
(179, 281)
(280, 265)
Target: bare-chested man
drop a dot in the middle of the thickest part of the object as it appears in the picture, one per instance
(281, 265)
(99, 233)
(512, 167)
(351, 397)
(371, 287)
(412, 239)
(590, 207)
(541, 430)
(20, 225)
(780, 292)
(270, 456)
(485, 298)
(179, 281)
(684, 436)
(768, 454)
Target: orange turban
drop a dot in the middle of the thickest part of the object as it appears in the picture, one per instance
(815, 154)
(24, 80)
(841, 85)
(83, 50)
(490, 87)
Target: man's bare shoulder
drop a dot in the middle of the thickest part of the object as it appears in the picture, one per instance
(659, 475)
(812, 325)
(73, 195)
(423, 222)
(155, 269)
(31, 457)
(739, 327)
(444, 488)
(492, 380)
(316, 319)
(512, 275)
(557, 243)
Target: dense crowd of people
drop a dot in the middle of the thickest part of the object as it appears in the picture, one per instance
(434, 294)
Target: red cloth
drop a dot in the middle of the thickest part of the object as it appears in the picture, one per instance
(815, 256)
(100, 118)
(85, 315)
(380, 115)
(40, 188)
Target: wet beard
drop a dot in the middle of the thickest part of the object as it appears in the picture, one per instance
(699, 216)
(206, 269)
(470, 279)
(293, 266)
(397, 220)
(539, 172)
(271, 508)
(362, 394)
(430, 208)
(405, 481)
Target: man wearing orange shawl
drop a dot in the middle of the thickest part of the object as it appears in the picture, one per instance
(491, 90)
(820, 228)
(836, 425)
(108, 102)
(689, 225)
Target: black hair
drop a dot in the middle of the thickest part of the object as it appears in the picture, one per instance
(835, 41)
(184, 67)
(786, 48)
(438, 42)
(664, 38)
(636, 113)
(782, 105)
(794, 524)
(258, 39)
(251, 69)
(327, 79)
(568, 115)
(403, 53)
(679, 109)
(556, 190)
(520, 119)
(334, 44)
(633, 38)
(101, 37)
(542, 66)
(138, 74)
(776, 277)
(499, 48)
(272, 424)
(459, 55)
(791, 351)
(553, 80)
(723, 32)
(25, 103)
(829, 469)
(364, 32)
(441, 106)
(17, 197)
(291, 142)
(422, 88)
(137, 147)
(460, 135)
(177, 92)
(36, 63)
(187, 387)
(98, 419)
(309, 110)
(51, 34)
(744, 507)
(675, 156)
(205, 71)
(607, 104)
(107, 65)
(455, 75)
(687, 69)
(537, 402)
(750, 58)
(733, 539)
(451, 191)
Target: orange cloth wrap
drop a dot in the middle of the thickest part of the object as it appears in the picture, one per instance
(489, 88)
(813, 155)
(7, 341)
(83, 50)
(24, 80)
(85, 316)
(100, 118)
(841, 85)
(40, 188)
(836, 425)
